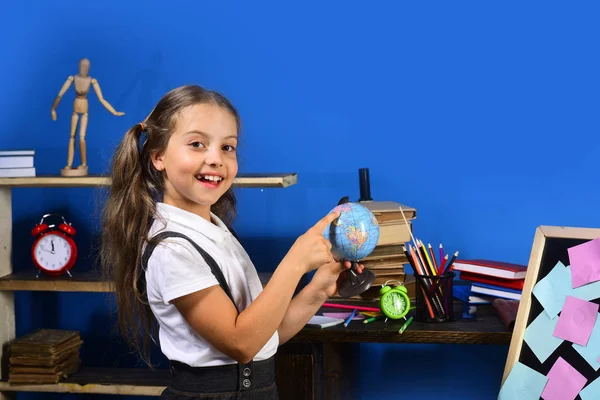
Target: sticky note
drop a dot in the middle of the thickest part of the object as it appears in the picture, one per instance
(591, 352)
(585, 262)
(553, 289)
(591, 391)
(590, 291)
(522, 383)
(564, 382)
(539, 337)
(577, 320)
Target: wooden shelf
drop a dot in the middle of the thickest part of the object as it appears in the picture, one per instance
(82, 281)
(253, 180)
(486, 328)
(118, 381)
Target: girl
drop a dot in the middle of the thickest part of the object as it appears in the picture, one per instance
(179, 269)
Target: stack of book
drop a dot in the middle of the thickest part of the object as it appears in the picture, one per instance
(492, 279)
(44, 356)
(16, 163)
(388, 259)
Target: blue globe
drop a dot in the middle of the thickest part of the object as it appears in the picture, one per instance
(354, 234)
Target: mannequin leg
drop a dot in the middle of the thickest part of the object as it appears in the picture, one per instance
(74, 119)
(82, 132)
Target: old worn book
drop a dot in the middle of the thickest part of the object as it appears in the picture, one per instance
(44, 356)
(389, 211)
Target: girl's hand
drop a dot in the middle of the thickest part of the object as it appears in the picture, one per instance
(311, 249)
(327, 278)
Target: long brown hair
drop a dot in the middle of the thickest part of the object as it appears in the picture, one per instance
(130, 208)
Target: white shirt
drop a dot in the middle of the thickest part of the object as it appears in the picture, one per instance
(176, 269)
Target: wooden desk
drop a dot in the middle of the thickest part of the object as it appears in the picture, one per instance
(324, 363)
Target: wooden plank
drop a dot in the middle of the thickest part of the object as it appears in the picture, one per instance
(250, 180)
(487, 328)
(118, 381)
(7, 302)
(82, 281)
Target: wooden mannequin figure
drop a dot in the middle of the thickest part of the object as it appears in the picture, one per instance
(80, 109)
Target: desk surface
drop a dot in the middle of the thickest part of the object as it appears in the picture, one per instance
(486, 328)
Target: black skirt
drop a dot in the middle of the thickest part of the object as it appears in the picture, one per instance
(252, 381)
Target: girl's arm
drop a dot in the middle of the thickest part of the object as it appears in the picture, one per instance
(303, 307)
(241, 336)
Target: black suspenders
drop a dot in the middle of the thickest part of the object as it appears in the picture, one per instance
(214, 267)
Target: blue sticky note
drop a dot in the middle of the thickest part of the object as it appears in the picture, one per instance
(591, 391)
(588, 292)
(591, 352)
(538, 336)
(553, 290)
(523, 383)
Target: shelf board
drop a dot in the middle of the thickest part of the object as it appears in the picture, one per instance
(82, 281)
(252, 180)
(486, 328)
(118, 381)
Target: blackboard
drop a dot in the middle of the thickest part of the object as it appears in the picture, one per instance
(550, 248)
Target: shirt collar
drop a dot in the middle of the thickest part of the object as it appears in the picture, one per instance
(215, 230)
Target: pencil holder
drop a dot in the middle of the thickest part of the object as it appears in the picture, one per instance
(434, 298)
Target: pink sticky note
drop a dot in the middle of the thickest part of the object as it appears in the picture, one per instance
(564, 382)
(585, 262)
(576, 321)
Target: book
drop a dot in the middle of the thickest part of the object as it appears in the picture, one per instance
(321, 321)
(496, 291)
(16, 172)
(497, 269)
(389, 211)
(507, 310)
(507, 283)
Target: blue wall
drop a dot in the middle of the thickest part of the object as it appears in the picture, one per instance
(483, 116)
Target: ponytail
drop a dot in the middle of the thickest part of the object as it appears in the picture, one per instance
(130, 208)
(126, 217)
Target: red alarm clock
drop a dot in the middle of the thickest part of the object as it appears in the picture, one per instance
(54, 250)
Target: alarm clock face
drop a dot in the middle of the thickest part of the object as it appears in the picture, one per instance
(395, 304)
(52, 252)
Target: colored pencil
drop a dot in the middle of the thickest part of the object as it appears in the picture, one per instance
(350, 318)
(351, 307)
(441, 256)
(451, 263)
(406, 324)
(444, 261)
(426, 293)
(435, 264)
(368, 321)
(417, 268)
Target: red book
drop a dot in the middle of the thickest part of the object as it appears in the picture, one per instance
(496, 269)
(491, 280)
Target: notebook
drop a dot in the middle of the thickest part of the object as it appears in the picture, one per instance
(320, 321)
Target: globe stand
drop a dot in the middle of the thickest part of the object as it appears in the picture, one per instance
(354, 283)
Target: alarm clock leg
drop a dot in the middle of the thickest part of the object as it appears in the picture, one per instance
(69, 273)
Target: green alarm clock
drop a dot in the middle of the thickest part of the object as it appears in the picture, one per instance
(394, 302)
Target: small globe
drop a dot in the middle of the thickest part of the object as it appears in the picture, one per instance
(354, 234)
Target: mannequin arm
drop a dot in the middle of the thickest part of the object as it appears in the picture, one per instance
(105, 103)
(63, 90)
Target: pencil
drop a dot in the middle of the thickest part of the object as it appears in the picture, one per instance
(350, 307)
(435, 264)
(350, 318)
(444, 261)
(368, 321)
(451, 263)
(406, 324)
(419, 271)
(441, 256)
